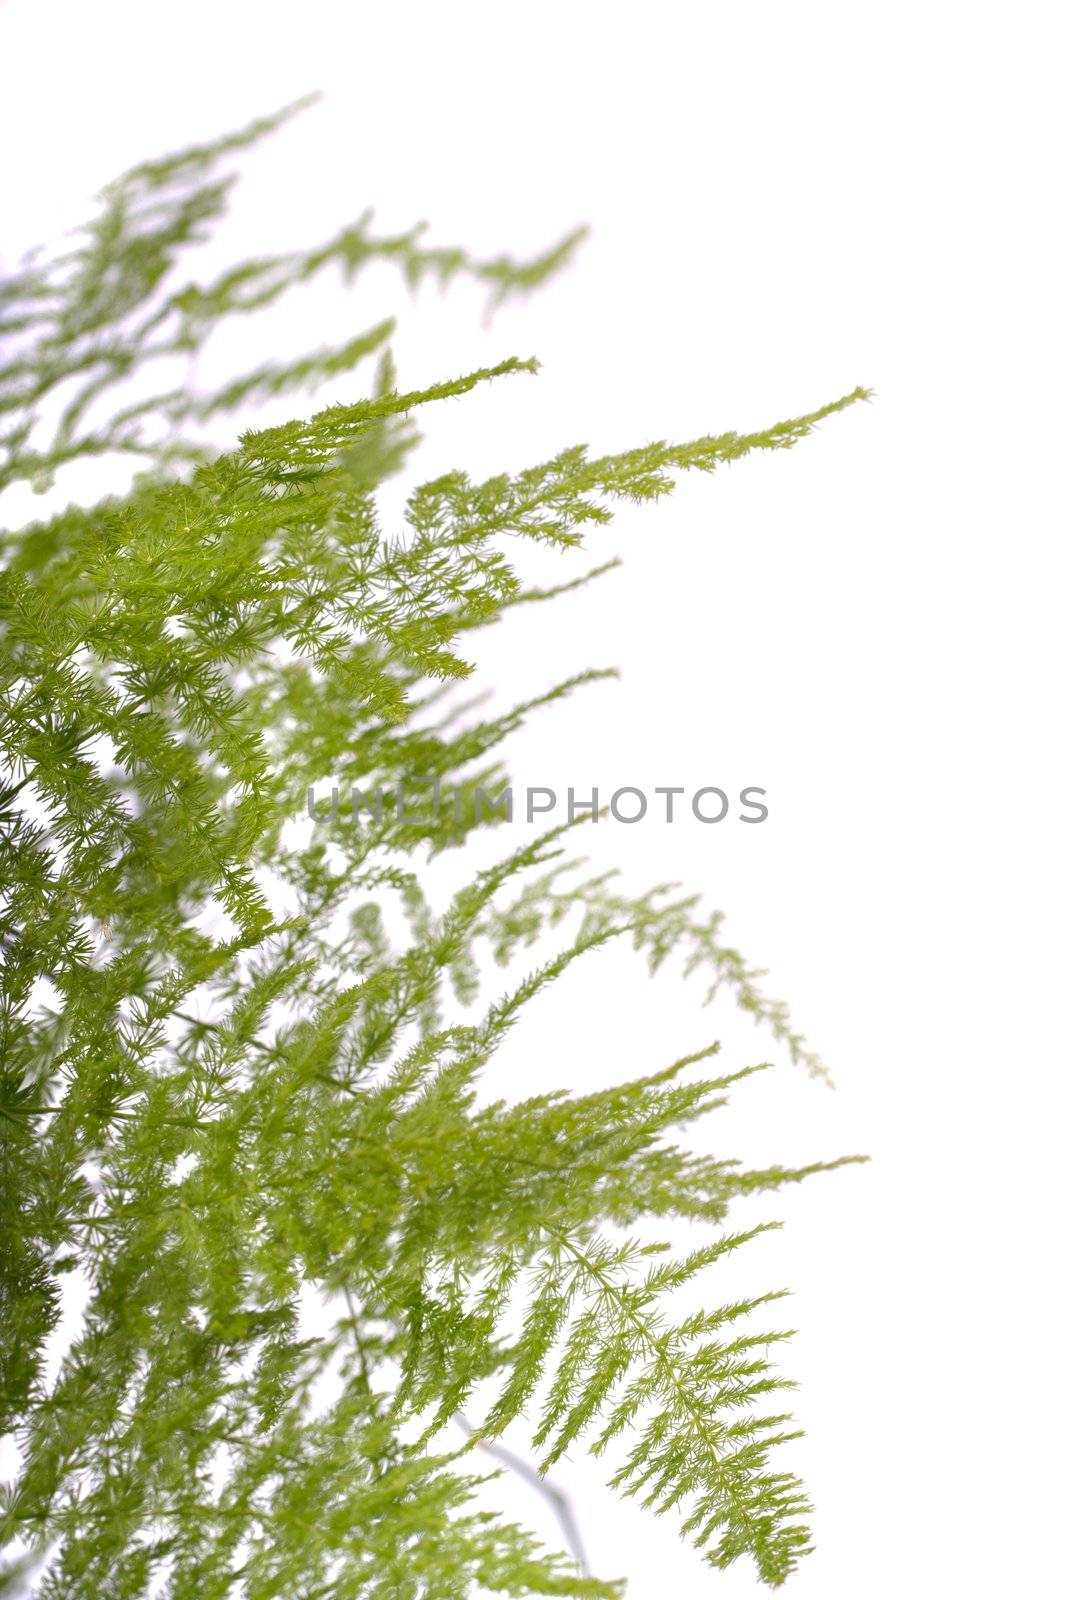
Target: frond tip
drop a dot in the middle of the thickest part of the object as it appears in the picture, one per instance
(686, 1390)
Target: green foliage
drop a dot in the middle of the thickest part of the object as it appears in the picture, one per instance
(241, 1076)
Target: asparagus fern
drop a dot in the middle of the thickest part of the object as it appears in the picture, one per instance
(228, 1081)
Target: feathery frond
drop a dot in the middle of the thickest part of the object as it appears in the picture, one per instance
(242, 1118)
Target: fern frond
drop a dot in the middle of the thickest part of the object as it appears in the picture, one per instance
(263, 1231)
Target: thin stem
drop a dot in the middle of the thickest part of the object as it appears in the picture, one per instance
(556, 1497)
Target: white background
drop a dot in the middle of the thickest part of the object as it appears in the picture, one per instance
(785, 201)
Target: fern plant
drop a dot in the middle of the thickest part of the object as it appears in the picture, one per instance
(241, 1074)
